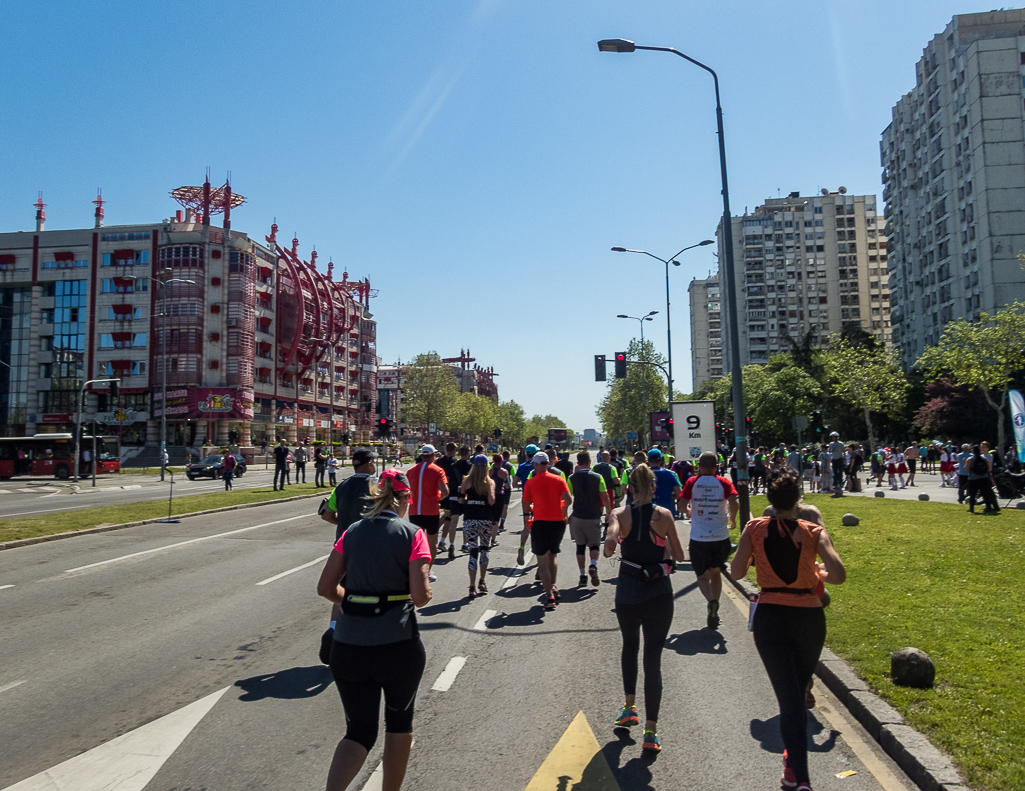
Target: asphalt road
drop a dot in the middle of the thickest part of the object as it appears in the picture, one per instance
(107, 633)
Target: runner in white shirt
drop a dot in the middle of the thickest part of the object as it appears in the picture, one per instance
(713, 512)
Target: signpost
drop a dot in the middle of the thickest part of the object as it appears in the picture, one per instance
(693, 428)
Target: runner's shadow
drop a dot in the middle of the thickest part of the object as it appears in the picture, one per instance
(766, 732)
(444, 608)
(635, 773)
(531, 617)
(697, 641)
(291, 684)
(531, 590)
(685, 590)
(577, 594)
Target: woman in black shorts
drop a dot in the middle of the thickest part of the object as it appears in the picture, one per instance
(503, 488)
(477, 498)
(383, 561)
(644, 595)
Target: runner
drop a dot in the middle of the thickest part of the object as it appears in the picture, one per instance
(547, 497)
(463, 465)
(500, 478)
(789, 625)
(667, 485)
(613, 482)
(590, 499)
(644, 596)
(507, 496)
(523, 472)
(477, 494)
(377, 647)
(911, 454)
(709, 530)
(428, 487)
(453, 508)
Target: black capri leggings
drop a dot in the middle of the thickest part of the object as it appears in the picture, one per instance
(362, 672)
(789, 641)
(653, 617)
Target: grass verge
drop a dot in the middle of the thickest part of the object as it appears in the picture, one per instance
(65, 521)
(932, 576)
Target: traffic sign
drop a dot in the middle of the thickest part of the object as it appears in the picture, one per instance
(693, 427)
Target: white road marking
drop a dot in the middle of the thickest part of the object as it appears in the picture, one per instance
(515, 574)
(30, 491)
(376, 780)
(11, 685)
(482, 624)
(447, 677)
(128, 762)
(292, 571)
(4, 587)
(185, 543)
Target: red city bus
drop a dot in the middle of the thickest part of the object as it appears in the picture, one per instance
(44, 455)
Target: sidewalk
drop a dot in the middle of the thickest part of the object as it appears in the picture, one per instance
(925, 483)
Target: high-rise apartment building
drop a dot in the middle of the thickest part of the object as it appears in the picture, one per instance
(808, 266)
(252, 341)
(706, 330)
(953, 162)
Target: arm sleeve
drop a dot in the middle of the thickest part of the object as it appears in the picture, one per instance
(421, 549)
(339, 543)
(570, 485)
(332, 503)
(601, 485)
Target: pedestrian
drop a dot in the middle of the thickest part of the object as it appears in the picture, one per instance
(590, 501)
(836, 451)
(429, 490)
(911, 455)
(980, 481)
(891, 468)
(902, 468)
(758, 471)
(826, 469)
(263, 447)
(300, 458)
(228, 470)
(644, 596)
(963, 461)
(319, 465)
(713, 515)
(947, 467)
(547, 497)
(280, 455)
(332, 470)
(477, 496)
(289, 460)
(377, 648)
(788, 621)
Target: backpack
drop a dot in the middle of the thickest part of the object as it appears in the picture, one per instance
(980, 466)
(352, 500)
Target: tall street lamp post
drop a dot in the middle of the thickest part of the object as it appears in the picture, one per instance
(331, 422)
(644, 374)
(163, 279)
(739, 413)
(669, 324)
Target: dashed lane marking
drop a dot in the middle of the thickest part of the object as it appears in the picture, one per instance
(292, 571)
(11, 685)
(5, 587)
(448, 675)
(575, 762)
(515, 575)
(482, 622)
(185, 543)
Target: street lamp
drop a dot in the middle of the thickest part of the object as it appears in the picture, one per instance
(331, 422)
(644, 377)
(739, 413)
(669, 324)
(163, 279)
(78, 426)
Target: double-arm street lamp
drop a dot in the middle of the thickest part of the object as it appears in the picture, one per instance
(644, 377)
(669, 324)
(623, 45)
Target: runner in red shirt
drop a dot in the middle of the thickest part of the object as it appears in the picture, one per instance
(429, 488)
(547, 497)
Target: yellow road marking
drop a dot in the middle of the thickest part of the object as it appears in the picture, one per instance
(575, 762)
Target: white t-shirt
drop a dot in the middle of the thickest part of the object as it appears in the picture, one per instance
(709, 508)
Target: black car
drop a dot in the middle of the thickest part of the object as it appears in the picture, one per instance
(213, 467)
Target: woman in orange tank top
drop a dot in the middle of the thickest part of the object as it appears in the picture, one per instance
(789, 625)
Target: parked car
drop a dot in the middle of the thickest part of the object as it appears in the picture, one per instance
(212, 467)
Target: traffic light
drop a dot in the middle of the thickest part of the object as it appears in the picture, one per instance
(718, 429)
(383, 426)
(816, 422)
(497, 433)
(747, 425)
(669, 426)
(113, 392)
(599, 367)
(621, 365)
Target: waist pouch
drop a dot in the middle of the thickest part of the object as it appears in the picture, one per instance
(649, 571)
(371, 605)
(796, 591)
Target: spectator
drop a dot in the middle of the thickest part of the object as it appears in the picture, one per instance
(979, 482)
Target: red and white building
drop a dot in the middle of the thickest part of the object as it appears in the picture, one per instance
(255, 341)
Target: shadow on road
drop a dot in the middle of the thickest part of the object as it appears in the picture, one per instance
(291, 684)
(635, 773)
(444, 608)
(697, 641)
(766, 733)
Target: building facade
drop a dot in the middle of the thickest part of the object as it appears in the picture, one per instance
(807, 266)
(953, 162)
(706, 331)
(250, 341)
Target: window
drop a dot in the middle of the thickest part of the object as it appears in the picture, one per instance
(65, 264)
(126, 315)
(124, 237)
(139, 340)
(141, 257)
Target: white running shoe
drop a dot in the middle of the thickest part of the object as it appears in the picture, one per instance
(432, 577)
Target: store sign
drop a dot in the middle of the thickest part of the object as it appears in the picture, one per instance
(205, 402)
(121, 416)
(55, 418)
(339, 424)
(306, 421)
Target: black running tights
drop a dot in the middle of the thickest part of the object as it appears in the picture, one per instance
(789, 641)
(653, 618)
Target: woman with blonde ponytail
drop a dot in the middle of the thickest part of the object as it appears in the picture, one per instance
(477, 496)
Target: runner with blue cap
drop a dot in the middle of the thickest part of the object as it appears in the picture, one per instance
(519, 481)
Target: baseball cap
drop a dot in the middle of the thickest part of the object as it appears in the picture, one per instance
(834, 433)
(540, 458)
(530, 450)
(428, 450)
(549, 446)
(399, 481)
(655, 454)
(480, 460)
(363, 456)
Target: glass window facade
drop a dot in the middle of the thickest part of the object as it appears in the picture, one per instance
(69, 309)
(15, 319)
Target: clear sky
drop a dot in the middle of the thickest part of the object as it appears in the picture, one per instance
(475, 158)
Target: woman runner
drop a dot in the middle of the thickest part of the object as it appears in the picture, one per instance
(503, 486)
(477, 496)
(789, 625)
(644, 596)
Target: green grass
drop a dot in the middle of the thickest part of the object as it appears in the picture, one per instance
(932, 576)
(65, 521)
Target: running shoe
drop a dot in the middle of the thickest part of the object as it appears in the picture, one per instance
(651, 743)
(556, 593)
(451, 551)
(789, 779)
(432, 577)
(464, 548)
(473, 592)
(482, 587)
(627, 718)
(326, 641)
(519, 557)
(594, 576)
(804, 787)
(442, 546)
(713, 614)
(582, 582)
(550, 604)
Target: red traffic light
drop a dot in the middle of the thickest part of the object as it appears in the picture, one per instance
(620, 356)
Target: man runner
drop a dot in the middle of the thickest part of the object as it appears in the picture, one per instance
(428, 490)
(590, 498)
(709, 494)
(667, 485)
(453, 508)
(547, 497)
(523, 472)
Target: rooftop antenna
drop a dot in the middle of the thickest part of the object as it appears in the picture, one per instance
(40, 213)
(99, 207)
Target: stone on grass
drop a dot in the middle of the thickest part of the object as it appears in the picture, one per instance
(1021, 504)
(923, 497)
(849, 520)
(910, 667)
(880, 493)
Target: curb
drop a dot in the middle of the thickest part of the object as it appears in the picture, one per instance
(927, 767)
(26, 542)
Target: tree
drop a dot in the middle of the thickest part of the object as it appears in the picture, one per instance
(473, 415)
(429, 391)
(538, 427)
(984, 355)
(865, 377)
(954, 411)
(509, 417)
(622, 408)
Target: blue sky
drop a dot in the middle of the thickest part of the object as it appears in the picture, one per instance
(475, 158)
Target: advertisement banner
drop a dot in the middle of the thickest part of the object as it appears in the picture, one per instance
(205, 402)
(693, 428)
(1018, 419)
(659, 432)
